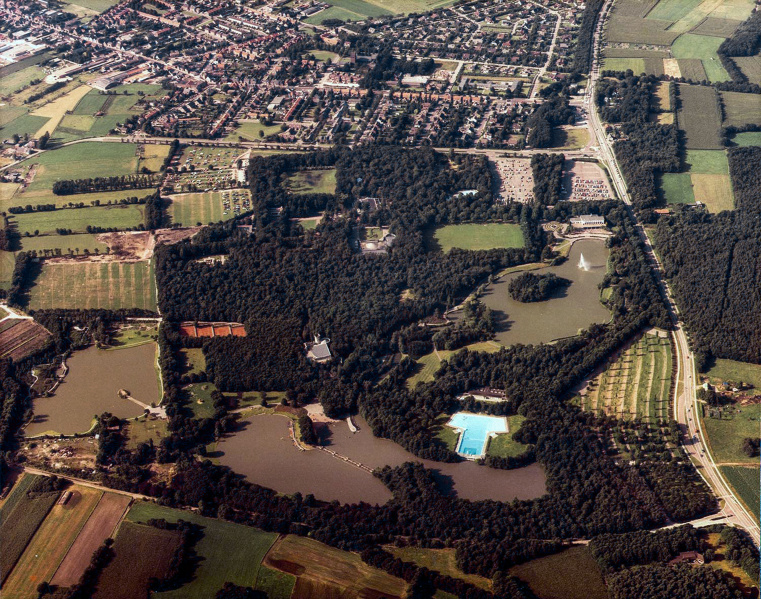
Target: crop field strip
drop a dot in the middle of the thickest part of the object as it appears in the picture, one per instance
(107, 285)
(741, 109)
(745, 482)
(700, 118)
(637, 384)
(50, 544)
(19, 337)
(99, 526)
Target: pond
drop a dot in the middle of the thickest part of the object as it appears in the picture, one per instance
(265, 454)
(92, 385)
(568, 311)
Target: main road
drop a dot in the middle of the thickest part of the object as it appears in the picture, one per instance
(686, 407)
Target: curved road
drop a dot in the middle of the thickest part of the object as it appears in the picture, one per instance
(686, 405)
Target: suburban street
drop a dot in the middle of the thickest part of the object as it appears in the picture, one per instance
(685, 398)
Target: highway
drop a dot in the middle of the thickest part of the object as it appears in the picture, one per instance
(686, 405)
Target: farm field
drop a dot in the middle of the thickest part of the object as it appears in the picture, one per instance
(750, 66)
(21, 337)
(229, 552)
(637, 65)
(479, 237)
(733, 371)
(503, 446)
(190, 209)
(52, 540)
(99, 526)
(702, 47)
(7, 263)
(322, 571)
(636, 382)
(121, 217)
(628, 24)
(441, 560)
(57, 109)
(25, 124)
(109, 285)
(706, 181)
(21, 517)
(692, 68)
(725, 435)
(699, 117)
(745, 482)
(741, 109)
(715, 191)
(46, 196)
(15, 81)
(312, 181)
(749, 138)
(571, 574)
(128, 573)
(43, 243)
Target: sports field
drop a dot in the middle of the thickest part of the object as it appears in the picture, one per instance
(699, 117)
(78, 219)
(108, 285)
(726, 434)
(745, 482)
(52, 540)
(637, 384)
(229, 552)
(741, 109)
(703, 47)
(479, 237)
(571, 574)
(312, 181)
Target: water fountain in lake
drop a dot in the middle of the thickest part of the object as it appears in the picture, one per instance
(583, 263)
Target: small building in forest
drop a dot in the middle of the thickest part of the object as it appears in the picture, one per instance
(318, 351)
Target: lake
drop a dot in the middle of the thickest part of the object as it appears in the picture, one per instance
(569, 310)
(91, 386)
(265, 454)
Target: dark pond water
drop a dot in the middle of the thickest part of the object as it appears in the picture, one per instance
(264, 453)
(91, 386)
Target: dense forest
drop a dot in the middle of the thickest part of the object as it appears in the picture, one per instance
(529, 287)
(547, 170)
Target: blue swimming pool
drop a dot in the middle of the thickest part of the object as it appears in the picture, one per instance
(475, 431)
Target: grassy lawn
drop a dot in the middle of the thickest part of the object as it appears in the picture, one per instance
(570, 139)
(195, 362)
(637, 65)
(479, 237)
(703, 47)
(254, 130)
(324, 55)
(132, 336)
(52, 540)
(109, 285)
(735, 372)
(143, 430)
(97, 5)
(441, 560)
(78, 219)
(503, 446)
(677, 188)
(746, 482)
(749, 138)
(229, 552)
(572, 574)
(312, 181)
(725, 435)
(85, 241)
(707, 162)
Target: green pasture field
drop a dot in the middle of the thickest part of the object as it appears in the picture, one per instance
(725, 435)
(749, 138)
(48, 197)
(16, 495)
(140, 552)
(503, 446)
(250, 130)
(360, 8)
(717, 27)
(699, 117)
(277, 584)
(107, 285)
(735, 372)
(571, 574)
(637, 30)
(189, 209)
(637, 65)
(636, 385)
(19, 79)
(634, 53)
(746, 482)
(97, 5)
(714, 191)
(408, 6)
(750, 66)
(229, 552)
(707, 162)
(77, 219)
(50, 543)
(26, 124)
(85, 241)
(7, 264)
(479, 237)
(703, 47)
(312, 181)
(21, 517)
(10, 113)
(741, 109)
(143, 430)
(672, 10)
(441, 560)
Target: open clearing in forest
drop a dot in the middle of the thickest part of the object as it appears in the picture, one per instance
(430, 363)
(141, 552)
(478, 237)
(312, 181)
(571, 574)
(441, 560)
(229, 552)
(745, 482)
(106, 285)
(322, 571)
(636, 383)
(50, 544)
(99, 526)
